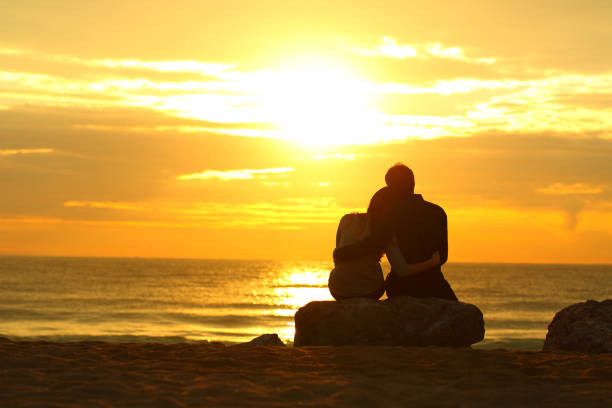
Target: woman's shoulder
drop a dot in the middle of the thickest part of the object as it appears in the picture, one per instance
(353, 227)
(353, 218)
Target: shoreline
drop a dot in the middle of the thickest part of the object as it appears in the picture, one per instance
(42, 373)
(516, 344)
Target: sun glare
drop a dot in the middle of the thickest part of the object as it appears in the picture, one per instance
(314, 101)
(320, 102)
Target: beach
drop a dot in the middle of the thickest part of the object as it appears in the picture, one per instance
(100, 374)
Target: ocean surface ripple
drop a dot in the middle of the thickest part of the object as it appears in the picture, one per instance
(188, 300)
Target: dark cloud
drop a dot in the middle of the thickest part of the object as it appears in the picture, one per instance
(32, 117)
(434, 103)
(598, 100)
(416, 71)
(24, 94)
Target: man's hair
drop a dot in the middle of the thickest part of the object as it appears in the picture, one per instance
(400, 177)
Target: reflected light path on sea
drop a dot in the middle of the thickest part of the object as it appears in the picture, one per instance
(296, 289)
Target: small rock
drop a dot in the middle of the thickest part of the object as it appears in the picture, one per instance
(584, 327)
(266, 340)
(399, 321)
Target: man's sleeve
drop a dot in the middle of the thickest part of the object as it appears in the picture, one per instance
(443, 250)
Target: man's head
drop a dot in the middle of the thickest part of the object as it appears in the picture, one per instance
(400, 178)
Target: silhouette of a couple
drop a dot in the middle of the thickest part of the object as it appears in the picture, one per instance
(411, 231)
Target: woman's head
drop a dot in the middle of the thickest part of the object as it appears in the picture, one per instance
(382, 205)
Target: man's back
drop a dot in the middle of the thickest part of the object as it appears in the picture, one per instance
(420, 230)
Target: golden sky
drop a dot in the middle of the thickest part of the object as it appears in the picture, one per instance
(245, 129)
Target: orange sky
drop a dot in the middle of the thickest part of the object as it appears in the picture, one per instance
(243, 129)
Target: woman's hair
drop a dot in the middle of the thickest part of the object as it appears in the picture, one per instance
(382, 204)
(381, 210)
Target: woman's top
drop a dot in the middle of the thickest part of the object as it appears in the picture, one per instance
(358, 276)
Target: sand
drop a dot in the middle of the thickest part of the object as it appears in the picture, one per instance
(96, 374)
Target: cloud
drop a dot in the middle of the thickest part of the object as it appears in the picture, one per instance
(341, 156)
(37, 221)
(595, 100)
(244, 174)
(113, 205)
(112, 119)
(236, 100)
(12, 152)
(289, 213)
(389, 48)
(570, 189)
(181, 66)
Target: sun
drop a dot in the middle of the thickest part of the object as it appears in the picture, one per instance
(318, 101)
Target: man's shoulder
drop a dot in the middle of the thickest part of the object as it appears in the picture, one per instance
(433, 207)
(417, 201)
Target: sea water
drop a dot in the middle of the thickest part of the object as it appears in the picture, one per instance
(175, 300)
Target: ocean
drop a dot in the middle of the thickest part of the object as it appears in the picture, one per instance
(231, 301)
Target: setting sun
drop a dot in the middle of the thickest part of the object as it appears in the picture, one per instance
(316, 101)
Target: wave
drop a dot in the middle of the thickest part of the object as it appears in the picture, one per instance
(118, 338)
(227, 320)
(515, 324)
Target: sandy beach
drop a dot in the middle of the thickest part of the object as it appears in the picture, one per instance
(97, 374)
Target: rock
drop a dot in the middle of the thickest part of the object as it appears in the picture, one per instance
(266, 340)
(584, 327)
(400, 321)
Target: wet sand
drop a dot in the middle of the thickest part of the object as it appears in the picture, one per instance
(96, 374)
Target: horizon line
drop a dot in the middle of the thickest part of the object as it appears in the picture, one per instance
(286, 259)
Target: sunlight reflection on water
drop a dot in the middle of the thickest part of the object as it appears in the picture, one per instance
(297, 288)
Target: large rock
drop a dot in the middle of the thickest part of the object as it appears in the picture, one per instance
(585, 327)
(404, 321)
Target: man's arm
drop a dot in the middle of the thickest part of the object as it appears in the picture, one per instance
(368, 245)
(373, 244)
(443, 249)
(401, 268)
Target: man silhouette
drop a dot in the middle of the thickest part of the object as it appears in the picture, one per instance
(420, 230)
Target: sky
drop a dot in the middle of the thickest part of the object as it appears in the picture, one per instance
(246, 129)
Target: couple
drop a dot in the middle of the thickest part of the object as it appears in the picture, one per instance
(411, 231)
